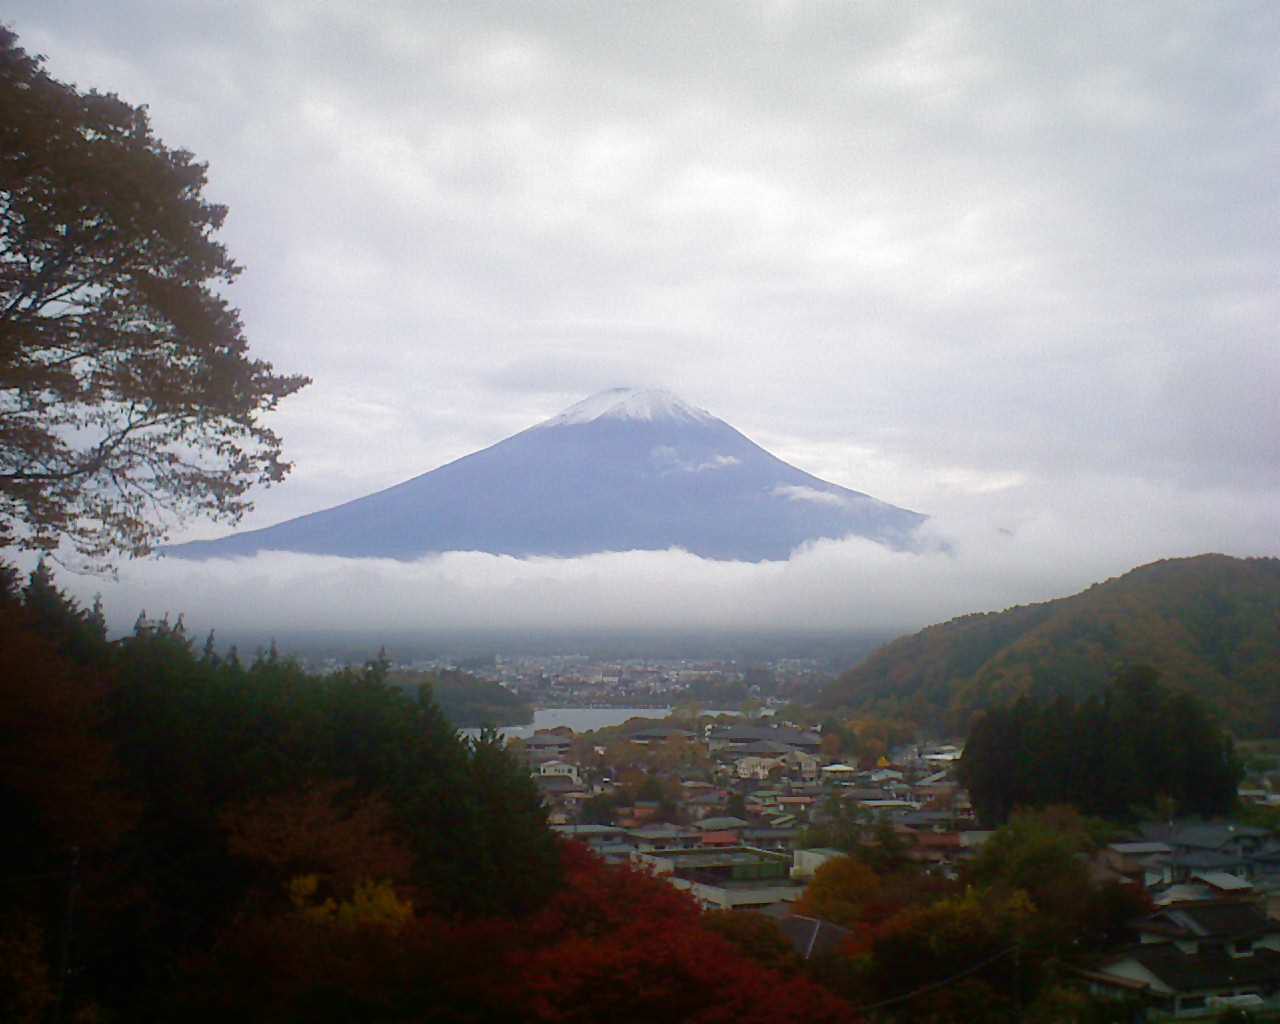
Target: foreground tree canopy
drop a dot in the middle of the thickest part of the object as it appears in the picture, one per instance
(127, 394)
(200, 840)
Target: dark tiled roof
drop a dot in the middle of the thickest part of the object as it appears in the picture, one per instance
(720, 824)
(1217, 920)
(769, 747)
(544, 741)
(1207, 860)
(661, 732)
(1186, 972)
(811, 937)
(1200, 835)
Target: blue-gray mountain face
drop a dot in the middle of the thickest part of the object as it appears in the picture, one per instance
(624, 470)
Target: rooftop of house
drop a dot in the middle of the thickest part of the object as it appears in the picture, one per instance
(1224, 882)
(752, 733)
(1220, 920)
(584, 831)
(545, 741)
(720, 824)
(662, 830)
(1199, 835)
(662, 732)
(1194, 972)
(703, 859)
(766, 748)
(1139, 849)
(811, 937)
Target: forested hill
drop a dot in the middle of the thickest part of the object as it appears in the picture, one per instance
(468, 702)
(1208, 624)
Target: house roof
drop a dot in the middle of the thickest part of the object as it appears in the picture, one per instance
(721, 824)
(768, 748)
(812, 937)
(1200, 835)
(719, 838)
(1211, 920)
(1207, 860)
(1139, 849)
(661, 732)
(753, 733)
(1187, 972)
(588, 830)
(661, 830)
(939, 840)
(546, 741)
(1223, 881)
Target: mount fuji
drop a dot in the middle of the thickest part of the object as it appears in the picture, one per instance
(623, 470)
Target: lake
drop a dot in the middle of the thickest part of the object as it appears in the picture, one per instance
(586, 719)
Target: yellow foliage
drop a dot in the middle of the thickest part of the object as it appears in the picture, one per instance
(372, 904)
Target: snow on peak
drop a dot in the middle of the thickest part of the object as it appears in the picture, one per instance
(629, 404)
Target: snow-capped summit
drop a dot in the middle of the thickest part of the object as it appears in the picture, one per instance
(623, 470)
(629, 404)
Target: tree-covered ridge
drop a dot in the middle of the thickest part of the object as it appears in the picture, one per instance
(1207, 624)
(1137, 749)
(466, 701)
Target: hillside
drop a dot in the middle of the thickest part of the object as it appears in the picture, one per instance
(1208, 624)
(467, 702)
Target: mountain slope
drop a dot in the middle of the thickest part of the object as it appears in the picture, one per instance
(624, 470)
(1208, 624)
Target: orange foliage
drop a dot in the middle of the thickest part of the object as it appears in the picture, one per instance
(326, 829)
(839, 891)
(614, 944)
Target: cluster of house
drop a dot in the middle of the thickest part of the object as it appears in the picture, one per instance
(732, 839)
(1212, 942)
(775, 782)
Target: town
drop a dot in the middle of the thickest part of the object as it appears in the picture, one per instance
(743, 813)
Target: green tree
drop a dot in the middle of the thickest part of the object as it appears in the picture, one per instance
(126, 388)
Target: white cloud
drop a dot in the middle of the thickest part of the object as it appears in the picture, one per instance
(795, 492)
(667, 458)
(1025, 544)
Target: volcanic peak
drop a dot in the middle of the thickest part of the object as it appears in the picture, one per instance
(629, 404)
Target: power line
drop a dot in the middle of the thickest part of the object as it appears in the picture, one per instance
(933, 986)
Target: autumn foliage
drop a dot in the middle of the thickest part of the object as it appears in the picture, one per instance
(614, 944)
(256, 844)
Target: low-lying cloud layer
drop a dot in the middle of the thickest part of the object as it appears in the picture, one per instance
(984, 558)
(1009, 265)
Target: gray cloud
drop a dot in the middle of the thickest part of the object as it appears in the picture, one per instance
(979, 259)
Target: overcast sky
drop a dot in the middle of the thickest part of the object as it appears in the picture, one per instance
(1012, 265)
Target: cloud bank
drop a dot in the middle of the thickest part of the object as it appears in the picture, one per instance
(968, 561)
